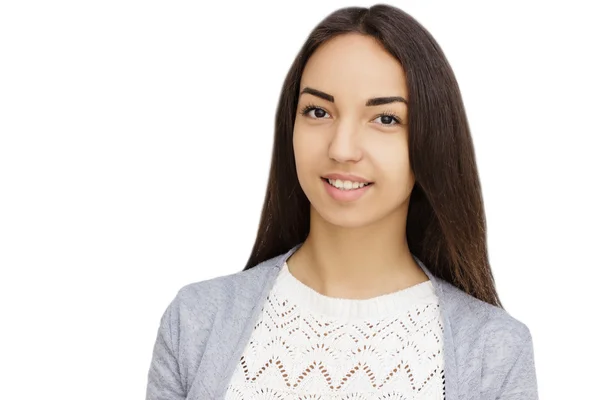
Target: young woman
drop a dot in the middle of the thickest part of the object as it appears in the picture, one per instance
(369, 278)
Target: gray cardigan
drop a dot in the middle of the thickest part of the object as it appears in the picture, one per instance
(488, 354)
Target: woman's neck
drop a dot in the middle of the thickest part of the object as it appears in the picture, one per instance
(356, 262)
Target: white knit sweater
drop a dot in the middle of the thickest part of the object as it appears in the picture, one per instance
(309, 346)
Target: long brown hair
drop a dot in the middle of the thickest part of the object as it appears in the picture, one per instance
(446, 227)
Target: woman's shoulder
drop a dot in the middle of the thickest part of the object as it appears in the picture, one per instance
(204, 319)
(489, 343)
(244, 285)
(214, 293)
(471, 315)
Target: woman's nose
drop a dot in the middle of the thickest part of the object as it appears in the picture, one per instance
(344, 146)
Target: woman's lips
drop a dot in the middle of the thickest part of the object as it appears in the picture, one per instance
(345, 195)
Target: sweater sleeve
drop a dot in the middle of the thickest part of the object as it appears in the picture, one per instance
(164, 380)
(520, 382)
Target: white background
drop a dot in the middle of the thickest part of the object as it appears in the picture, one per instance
(135, 142)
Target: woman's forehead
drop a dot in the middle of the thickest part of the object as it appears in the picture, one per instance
(354, 65)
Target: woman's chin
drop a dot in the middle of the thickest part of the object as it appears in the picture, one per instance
(345, 218)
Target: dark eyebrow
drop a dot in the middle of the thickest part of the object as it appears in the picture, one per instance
(376, 101)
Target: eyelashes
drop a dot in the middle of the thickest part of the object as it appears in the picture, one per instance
(311, 107)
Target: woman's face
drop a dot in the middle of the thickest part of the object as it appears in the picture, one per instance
(341, 138)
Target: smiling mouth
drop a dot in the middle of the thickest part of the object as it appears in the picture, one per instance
(346, 185)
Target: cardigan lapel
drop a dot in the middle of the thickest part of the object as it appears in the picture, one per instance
(233, 334)
(450, 366)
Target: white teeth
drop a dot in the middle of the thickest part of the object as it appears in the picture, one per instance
(345, 185)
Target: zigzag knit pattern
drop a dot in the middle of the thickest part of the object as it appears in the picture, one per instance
(309, 346)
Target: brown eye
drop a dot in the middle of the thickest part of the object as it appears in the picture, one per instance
(318, 112)
(389, 119)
